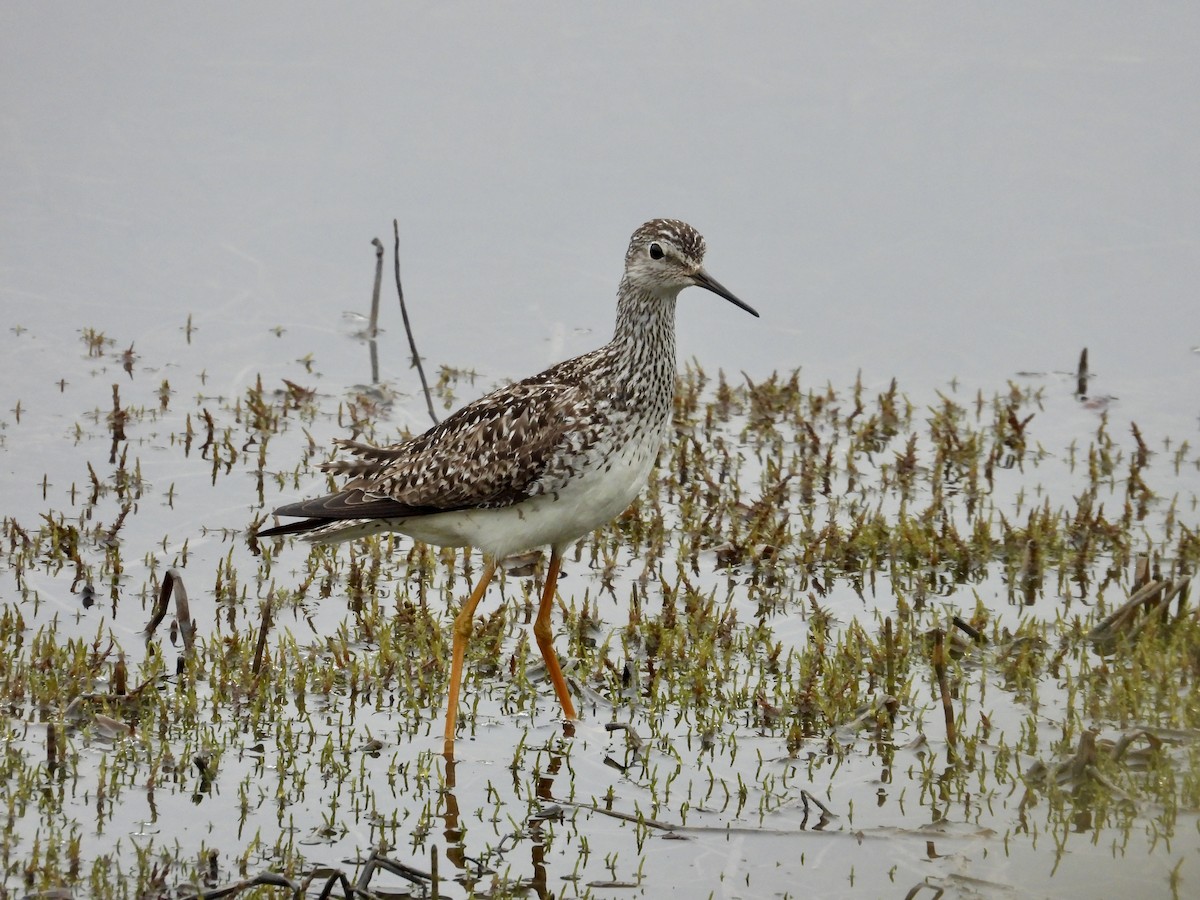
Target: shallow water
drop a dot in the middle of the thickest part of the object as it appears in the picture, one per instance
(337, 751)
(957, 201)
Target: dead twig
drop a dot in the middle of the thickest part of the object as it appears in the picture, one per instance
(261, 647)
(173, 584)
(116, 422)
(1154, 597)
(373, 325)
(183, 613)
(640, 751)
(1082, 375)
(412, 343)
(334, 880)
(939, 668)
(159, 612)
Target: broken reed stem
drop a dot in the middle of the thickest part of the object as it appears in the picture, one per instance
(120, 677)
(412, 343)
(160, 605)
(1149, 595)
(969, 630)
(889, 657)
(640, 750)
(116, 423)
(261, 646)
(187, 628)
(378, 860)
(51, 747)
(373, 327)
(172, 583)
(939, 668)
(808, 797)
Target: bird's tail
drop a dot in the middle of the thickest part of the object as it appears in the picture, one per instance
(326, 531)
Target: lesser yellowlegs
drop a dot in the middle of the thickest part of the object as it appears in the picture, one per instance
(540, 462)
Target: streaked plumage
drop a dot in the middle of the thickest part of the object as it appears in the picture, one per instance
(540, 462)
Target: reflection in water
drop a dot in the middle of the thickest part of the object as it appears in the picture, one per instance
(473, 870)
(453, 833)
(548, 810)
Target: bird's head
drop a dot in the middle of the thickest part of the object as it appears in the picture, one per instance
(667, 255)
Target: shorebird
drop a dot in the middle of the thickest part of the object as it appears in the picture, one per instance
(537, 463)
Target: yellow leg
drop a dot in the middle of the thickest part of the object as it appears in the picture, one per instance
(541, 631)
(462, 633)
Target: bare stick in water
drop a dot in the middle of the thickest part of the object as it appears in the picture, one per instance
(373, 328)
(412, 344)
(939, 668)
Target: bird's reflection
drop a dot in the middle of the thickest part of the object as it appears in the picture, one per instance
(472, 870)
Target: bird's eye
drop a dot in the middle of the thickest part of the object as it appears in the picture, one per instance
(656, 250)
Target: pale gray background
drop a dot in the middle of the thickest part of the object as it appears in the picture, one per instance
(919, 190)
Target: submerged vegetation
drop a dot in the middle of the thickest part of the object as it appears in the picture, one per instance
(927, 643)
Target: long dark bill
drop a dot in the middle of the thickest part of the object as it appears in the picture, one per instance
(706, 281)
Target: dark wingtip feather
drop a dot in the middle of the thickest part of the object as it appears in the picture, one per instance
(302, 527)
(340, 507)
(351, 504)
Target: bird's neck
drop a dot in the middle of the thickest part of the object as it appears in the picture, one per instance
(644, 337)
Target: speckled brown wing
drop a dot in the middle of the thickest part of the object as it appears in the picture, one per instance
(495, 452)
(519, 441)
